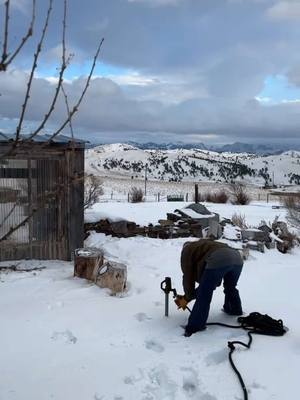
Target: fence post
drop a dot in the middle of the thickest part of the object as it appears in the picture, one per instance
(111, 195)
(187, 197)
(196, 193)
(128, 197)
(158, 197)
(268, 197)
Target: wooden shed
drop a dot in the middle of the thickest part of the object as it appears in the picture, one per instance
(41, 198)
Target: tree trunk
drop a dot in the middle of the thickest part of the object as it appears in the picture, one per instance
(113, 276)
(87, 262)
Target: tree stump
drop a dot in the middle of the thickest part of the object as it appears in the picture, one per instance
(87, 261)
(112, 275)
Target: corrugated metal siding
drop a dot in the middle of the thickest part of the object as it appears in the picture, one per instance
(41, 194)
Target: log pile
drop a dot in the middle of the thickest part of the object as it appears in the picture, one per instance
(196, 221)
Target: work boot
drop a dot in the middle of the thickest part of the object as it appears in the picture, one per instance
(230, 312)
(188, 332)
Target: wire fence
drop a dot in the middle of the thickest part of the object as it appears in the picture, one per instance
(118, 197)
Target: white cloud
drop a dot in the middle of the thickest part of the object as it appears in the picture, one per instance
(157, 2)
(109, 108)
(285, 10)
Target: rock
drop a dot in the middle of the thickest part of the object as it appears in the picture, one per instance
(112, 275)
(165, 222)
(258, 246)
(199, 208)
(225, 221)
(280, 228)
(214, 229)
(255, 235)
(245, 252)
(119, 227)
(196, 229)
(173, 217)
(270, 245)
(265, 228)
(87, 261)
(232, 232)
(283, 246)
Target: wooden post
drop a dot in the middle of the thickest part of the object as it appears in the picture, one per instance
(187, 197)
(158, 197)
(196, 193)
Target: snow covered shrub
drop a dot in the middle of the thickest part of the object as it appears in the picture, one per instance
(92, 190)
(239, 194)
(136, 195)
(292, 203)
(220, 197)
(239, 220)
(214, 197)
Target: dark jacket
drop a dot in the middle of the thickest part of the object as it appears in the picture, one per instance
(193, 259)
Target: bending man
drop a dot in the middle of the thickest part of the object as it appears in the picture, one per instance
(208, 263)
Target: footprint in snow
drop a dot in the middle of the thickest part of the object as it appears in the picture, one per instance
(66, 335)
(159, 386)
(217, 357)
(151, 344)
(142, 317)
(191, 385)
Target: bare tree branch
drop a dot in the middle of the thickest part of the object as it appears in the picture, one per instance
(8, 214)
(15, 228)
(5, 40)
(34, 66)
(60, 78)
(75, 108)
(68, 111)
(5, 61)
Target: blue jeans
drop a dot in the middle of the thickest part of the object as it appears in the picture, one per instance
(210, 279)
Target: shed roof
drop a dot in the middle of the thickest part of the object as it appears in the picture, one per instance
(62, 139)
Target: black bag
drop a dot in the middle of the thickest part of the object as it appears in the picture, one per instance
(262, 324)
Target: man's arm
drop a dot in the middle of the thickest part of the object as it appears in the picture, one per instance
(187, 267)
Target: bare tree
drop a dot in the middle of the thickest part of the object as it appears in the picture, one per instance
(7, 56)
(92, 190)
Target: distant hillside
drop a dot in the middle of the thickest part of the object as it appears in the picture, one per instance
(193, 165)
(237, 147)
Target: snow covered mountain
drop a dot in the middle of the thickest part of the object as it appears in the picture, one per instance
(193, 165)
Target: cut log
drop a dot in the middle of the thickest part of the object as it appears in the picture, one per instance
(87, 261)
(112, 275)
(258, 246)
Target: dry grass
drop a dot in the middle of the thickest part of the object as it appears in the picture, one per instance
(239, 193)
(220, 197)
(292, 204)
(239, 220)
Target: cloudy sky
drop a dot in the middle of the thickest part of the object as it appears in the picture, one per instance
(212, 71)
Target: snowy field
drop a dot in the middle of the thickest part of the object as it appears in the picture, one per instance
(64, 338)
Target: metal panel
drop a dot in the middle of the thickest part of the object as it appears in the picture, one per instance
(41, 193)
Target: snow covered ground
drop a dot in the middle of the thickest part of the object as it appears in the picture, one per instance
(64, 338)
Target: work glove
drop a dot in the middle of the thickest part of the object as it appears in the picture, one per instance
(181, 301)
